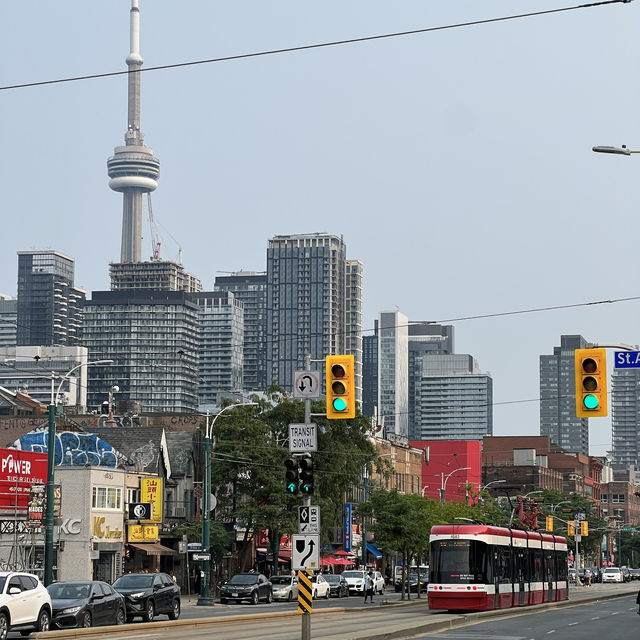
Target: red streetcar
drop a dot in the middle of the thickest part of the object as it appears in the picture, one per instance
(477, 567)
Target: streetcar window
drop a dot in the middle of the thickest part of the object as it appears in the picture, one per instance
(536, 565)
(502, 564)
(561, 565)
(459, 561)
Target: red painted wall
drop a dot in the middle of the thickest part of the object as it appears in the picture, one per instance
(444, 457)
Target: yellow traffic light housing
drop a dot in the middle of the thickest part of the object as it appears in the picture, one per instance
(548, 524)
(341, 387)
(591, 383)
(584, 528)
(571, 528)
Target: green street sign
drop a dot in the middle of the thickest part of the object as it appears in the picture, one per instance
(628, 529)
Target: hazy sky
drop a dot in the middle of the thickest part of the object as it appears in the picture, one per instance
(456, 164)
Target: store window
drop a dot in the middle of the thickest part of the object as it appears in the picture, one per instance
(107, 498)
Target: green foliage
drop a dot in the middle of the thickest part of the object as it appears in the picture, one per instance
(219, 537)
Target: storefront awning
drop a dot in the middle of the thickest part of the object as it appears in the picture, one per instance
(154, 549)
(376, 553)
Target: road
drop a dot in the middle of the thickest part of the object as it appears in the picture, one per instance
(592, 621)
(588, 614)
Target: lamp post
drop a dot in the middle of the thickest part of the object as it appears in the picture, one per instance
(619, 151)
(443, 486)
(205, 598)
(51, 458)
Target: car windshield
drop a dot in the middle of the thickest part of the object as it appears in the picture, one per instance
(244, 578)
(612, 570)
(69, 591)
(281, 580)
(353, 574)
(133, 581)
(332, 578)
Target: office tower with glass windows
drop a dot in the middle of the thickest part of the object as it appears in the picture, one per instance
(624, 405)
(250, 288)
(558, 418)
(306, 304)
(49, 304)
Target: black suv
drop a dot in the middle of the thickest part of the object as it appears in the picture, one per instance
(247, 586)
(146, 594)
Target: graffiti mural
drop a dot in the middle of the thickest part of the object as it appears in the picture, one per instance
(73, 449)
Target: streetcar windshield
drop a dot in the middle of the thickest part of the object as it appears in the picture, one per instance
(459, 561)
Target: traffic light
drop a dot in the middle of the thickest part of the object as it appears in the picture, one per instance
(341, 387)
(584, 528)
(548, 524)
(591, 383)
(571, 528)
(306, 474)
(291, 475)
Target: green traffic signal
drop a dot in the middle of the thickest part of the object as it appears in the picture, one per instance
(339, 404)
(590, 401)
(291, 475)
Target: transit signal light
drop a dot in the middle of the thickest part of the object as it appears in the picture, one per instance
(571, 528)
(584, 528)
(591, 383)
(306, 474)
(292, 475)
(341, 387)
(548, 523)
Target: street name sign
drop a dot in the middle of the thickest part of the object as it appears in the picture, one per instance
(303, 438)
(305, 551)
(201, 557)
(309, 519)
(627, 359)
(306, 384)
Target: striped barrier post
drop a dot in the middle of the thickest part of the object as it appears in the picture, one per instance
(305, 602)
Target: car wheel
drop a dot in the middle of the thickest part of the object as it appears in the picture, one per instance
(149, 612)
(44, 621)
(269, 597)
(174, 614)
(254, 598)
(4, 626)
(86, 621)
(121, 616)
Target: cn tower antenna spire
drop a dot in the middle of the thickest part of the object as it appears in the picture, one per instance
(133, 169)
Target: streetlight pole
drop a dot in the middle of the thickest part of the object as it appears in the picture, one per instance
(51, 458)
(205, 598)
(443, 487)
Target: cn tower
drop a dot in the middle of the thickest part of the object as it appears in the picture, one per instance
(133, 169)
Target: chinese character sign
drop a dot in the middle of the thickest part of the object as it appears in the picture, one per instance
(151, 491)
(143, 533)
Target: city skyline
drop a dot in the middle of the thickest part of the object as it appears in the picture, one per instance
(460, 177)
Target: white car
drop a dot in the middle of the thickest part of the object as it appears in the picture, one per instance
(320, 586)
(612, 574)
(355, 580)
(284, 587)
(378, 582)
(25, 604)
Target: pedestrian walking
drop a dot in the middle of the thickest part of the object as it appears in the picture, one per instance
(368, 587)
(587, 577)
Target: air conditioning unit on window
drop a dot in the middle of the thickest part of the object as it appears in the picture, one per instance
(178, 512)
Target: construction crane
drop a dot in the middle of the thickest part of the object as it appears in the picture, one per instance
(155, 239)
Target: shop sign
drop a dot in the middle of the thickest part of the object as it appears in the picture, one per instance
(100, 528)
(18, 471)
(151, 491)
(143, 533)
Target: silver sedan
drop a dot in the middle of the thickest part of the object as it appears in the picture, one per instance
(284, 587)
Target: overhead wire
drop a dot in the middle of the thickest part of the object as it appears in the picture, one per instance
(320, 45)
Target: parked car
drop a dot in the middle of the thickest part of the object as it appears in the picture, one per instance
(626, 574)
(148, 594)
(355, 580)
(378, 582)
(320, 586)
(284, 588)
(412, 580)
(572, 575)
(25, 605)
(596, 574)
(85, 603)
(247, 586)
(612, 574)
(635, 574)
(338, 586)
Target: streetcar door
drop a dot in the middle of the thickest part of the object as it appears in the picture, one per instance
(496, 579)
(521, 563)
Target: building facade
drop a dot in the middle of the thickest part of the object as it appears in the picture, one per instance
(625, 417)
(8, 320)
(220, 346)
(370, 373)
(558, 418)
(49, 304)
(250, 288)
(393, 372)
(453, 399)
(306, 303)
(152, 338)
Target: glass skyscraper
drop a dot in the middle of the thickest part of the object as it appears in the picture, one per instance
(558, 418)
